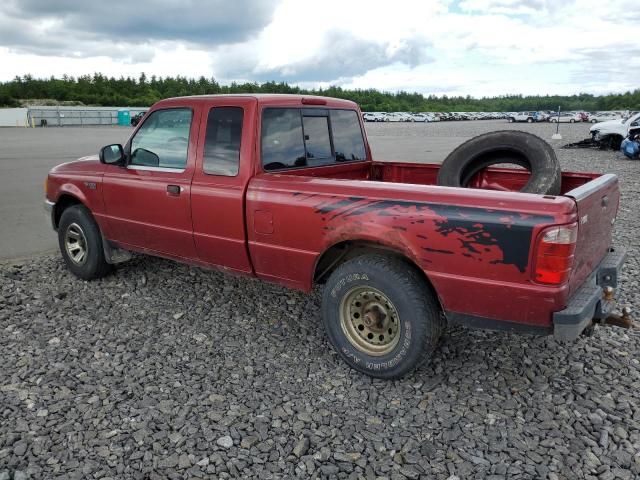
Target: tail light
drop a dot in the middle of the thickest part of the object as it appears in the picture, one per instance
(554, 254)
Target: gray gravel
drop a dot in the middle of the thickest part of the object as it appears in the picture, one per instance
(167, 371)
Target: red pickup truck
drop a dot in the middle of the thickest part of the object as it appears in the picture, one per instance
(283, 188)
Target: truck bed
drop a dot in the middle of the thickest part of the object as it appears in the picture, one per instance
(504, 179)
(465, 240)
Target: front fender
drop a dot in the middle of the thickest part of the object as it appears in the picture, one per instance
(72, 190)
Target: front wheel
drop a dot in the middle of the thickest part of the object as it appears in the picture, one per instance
(380, 316)
(81, 243)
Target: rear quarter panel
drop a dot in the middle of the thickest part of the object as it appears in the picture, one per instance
(475, 246)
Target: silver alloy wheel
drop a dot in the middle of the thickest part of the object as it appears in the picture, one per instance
(76, 244)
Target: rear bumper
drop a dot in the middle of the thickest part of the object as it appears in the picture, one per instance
(588, 303)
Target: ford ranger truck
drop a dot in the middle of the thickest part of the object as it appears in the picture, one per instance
(284, 188)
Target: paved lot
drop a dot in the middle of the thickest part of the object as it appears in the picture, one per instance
(166, 371)
(26, 155)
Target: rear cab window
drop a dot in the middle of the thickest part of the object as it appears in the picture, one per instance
(310, 137)
(222, 141)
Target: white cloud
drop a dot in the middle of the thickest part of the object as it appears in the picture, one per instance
(476, 47)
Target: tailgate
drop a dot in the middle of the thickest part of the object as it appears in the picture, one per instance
(597, 205)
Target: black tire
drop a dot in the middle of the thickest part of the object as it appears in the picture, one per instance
(529, 120)
(94, 264)
(508, 146)
(572, 121)
(420, 323)
(511, 119)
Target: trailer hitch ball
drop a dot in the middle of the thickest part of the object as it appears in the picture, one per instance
(609, 293)
(624, 320)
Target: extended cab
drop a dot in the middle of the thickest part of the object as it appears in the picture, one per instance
(284, 188)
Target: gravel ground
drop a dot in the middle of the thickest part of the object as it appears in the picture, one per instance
(167, 371)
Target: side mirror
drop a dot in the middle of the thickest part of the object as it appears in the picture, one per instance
(112, 154)
(145, 158)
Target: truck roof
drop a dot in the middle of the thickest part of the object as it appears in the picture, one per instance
(284, 99)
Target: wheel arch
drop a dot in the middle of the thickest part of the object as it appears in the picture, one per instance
(65, 200)
(338, 253)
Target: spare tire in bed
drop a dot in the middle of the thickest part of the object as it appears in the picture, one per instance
(507, 146)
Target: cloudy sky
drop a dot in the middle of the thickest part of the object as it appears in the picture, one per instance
(453, 47)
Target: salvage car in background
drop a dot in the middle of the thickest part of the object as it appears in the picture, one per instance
(420, 117)
(373, 116)
(135, 120)
(566, 117)
(610, 134)
(529, 117)
(398, 117)
(603, 117)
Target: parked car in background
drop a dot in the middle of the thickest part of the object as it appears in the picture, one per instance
(398, 117)
(523, 117)
(604, 117)
(566, 117)
(541, 117)
(612, 133)
(373, 116)
(135, 120)
(420, 117)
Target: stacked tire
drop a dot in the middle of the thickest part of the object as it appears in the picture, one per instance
(504, 147)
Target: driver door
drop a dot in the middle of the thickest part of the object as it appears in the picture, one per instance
(148, 202)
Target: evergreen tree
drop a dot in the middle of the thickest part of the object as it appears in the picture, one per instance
(98, 89)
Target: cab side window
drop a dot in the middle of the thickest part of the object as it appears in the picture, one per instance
(282, 143)
(310, 137)
(163, 139)
(317, 139)
(348, 141)
(222, 141)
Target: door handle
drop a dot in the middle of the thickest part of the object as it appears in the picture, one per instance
(173, 189)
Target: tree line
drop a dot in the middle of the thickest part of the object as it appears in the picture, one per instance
(100, 90)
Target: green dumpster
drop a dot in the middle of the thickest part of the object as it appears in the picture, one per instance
(124, 117)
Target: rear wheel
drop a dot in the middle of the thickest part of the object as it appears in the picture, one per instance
(80, 243)
(529, 120)
(380, 316)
